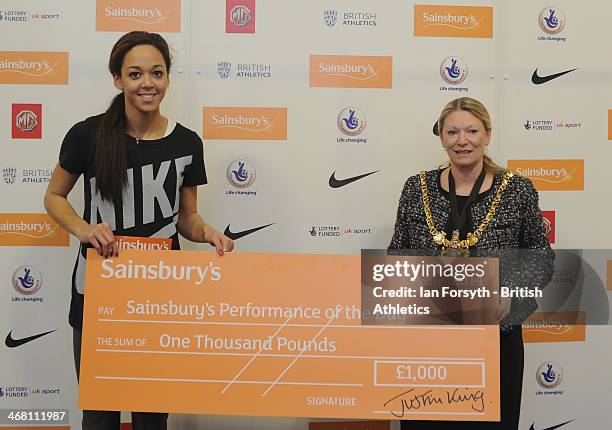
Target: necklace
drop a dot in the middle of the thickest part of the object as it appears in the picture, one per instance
(439, 237)
(459, 219)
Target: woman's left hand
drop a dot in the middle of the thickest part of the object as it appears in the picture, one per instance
(215, 238)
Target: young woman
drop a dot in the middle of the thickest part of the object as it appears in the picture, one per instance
(473, 205)
(141, 171)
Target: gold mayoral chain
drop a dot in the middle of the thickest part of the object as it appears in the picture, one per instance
(439, 237)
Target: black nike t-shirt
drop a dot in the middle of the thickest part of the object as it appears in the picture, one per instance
(156, 170)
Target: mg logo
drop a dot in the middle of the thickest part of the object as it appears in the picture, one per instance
(240, 15)
(26, 120)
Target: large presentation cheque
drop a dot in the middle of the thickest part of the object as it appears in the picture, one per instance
(271, 335)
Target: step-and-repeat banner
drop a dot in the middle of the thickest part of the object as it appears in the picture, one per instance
(313, 114)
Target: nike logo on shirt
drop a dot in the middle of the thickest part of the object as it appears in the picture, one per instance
(337, 183)
(237, 235)
(14, 343)
(538, 80)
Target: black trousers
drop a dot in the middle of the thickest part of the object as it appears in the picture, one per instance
(512, 361)
(111, 420)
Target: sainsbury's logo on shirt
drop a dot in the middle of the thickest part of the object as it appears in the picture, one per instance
(128, 15)
(18, 229)
(245, 123)
(33, 67)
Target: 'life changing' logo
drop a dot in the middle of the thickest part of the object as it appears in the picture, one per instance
(27, 280)
(241, 173)
(453, 71)
(552, 20)
(351, 121)
(549, 375)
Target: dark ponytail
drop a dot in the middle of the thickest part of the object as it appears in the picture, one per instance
(111, 135)
(111, 157)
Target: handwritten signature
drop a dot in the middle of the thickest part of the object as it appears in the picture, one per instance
(413, 399)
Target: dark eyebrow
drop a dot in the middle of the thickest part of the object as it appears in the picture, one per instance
(138, 67)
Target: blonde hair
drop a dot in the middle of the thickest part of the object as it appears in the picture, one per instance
(477, 109)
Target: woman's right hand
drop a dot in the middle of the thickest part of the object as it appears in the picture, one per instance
(101, 237)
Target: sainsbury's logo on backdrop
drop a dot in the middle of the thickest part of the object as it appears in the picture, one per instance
(17, 229)
(453, 21)
(245, 123)
(33, 67)
(128, 15)
(544, 327)
(551, 175)
(26, 121)
(350, 71)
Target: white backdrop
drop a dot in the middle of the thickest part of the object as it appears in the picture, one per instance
(291, 189)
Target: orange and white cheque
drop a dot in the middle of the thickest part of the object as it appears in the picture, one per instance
(269, 335)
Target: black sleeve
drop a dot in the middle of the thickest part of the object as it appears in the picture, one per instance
(401, 239)
(75, 148)
(195, 173)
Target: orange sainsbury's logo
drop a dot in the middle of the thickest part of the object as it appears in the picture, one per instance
(128, 15)
(33, 67)
(348, 71)
(453, 21)
(245, 123)
(31, 230)
(551, 175)
(543, 327)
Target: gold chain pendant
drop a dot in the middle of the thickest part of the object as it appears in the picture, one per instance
(455, 246)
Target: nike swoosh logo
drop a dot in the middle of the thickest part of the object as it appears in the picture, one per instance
(551, 428)
(538, 80)
(337, 183)
(237, 235)
(14, 343)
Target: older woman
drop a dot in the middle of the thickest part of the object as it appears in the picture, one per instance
(473, 205)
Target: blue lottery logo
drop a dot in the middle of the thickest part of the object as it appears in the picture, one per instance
(552, 20)
(453, 70)
(351, 121)
(27, 280)
(549, 375)
(241, 173)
